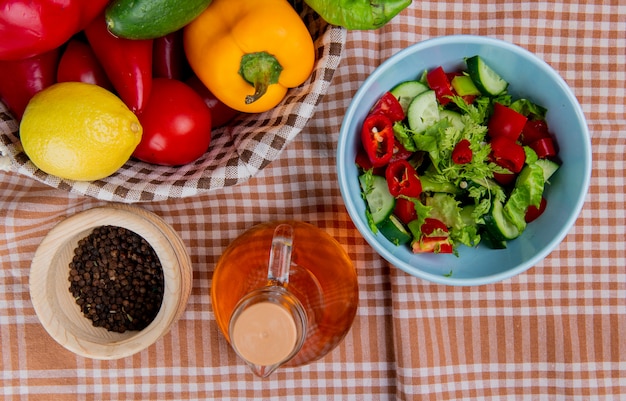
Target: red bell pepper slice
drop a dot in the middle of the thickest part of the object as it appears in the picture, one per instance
(20, 80)
(462, 154)
(533, 212)
(438, 81)
(507, 153)
(506, 122)
(544, 147)
(402, 179)
(389, 106)
(405, 210)
(378, 139)
(534, 130)
(127, 63)
(434, 239)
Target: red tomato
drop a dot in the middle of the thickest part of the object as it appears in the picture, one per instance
(79, 64)
(533, 212)
(506, 122)
(534, 130)
(176, 125)
(220, 113)
(438, 81)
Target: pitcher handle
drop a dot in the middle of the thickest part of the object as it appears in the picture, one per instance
(280, 255)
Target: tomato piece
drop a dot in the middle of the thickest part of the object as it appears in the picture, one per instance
(220, 113)
(434, 227)
(176, 125)
(462, 154)
(533, 212)
(378, 139)
(79, 64)
(438, 81)
(544, 147)
(504, 179)
(506, 122)
(402, 179)
(389, 106)
(534, 130)
(507, 153)
(432, 245)
(405, 210)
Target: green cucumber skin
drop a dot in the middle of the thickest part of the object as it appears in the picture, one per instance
(150, 19)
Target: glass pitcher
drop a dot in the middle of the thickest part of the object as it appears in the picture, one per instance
(284, 294)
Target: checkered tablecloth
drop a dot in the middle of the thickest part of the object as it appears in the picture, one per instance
(555, 332)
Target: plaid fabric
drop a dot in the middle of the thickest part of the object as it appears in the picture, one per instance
(555, 332)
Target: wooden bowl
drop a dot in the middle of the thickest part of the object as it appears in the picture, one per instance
(56, 308)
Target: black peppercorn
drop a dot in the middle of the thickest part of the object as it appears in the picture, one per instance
(117, 279)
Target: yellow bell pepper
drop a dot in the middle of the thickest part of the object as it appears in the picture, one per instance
(249, 52)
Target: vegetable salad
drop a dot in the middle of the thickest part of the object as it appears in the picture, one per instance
(451, 159)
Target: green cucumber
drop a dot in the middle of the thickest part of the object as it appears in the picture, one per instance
(406, 91)
(150, 19)
(499, 226)
(393, 229)
(486, 80)
(379, 201)
(549, 167)
(423, 111)
(455, 118)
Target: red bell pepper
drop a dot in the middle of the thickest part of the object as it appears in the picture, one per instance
(438, 81)
(505, 122)
(20, 80)
(404, 209)
(534, 130)
(544, 147)
(462, 154)
(378, 139)
(79, 64)
(507, 153)
(32, 27)
(435, 238)
(389, 106)
(402, 179)
(127, 63)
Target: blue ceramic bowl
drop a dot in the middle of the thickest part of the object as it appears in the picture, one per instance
(528, 77)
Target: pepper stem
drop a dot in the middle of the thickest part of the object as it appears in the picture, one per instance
(260, 70)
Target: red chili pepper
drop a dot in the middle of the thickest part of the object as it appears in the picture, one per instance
(128, 63)
(32, 27)
(507, 153)
(79, 64)
(462, 154)
(402, 179)
(438, 81)
(405, 210)
(20, 80)
(399, 151)
(534, 130)
(378, 139)
(506, 122)
(533, 212)
(544, 147)
(168, 57)
(389, 106)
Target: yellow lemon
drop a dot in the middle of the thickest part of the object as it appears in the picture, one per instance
(79, 131)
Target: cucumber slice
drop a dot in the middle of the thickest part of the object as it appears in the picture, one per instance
(406, 91)
(549, 167)
(454, 118)
(499, 227)
(393, 229)
(423, 111)
(379, 201)
(486, 80)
